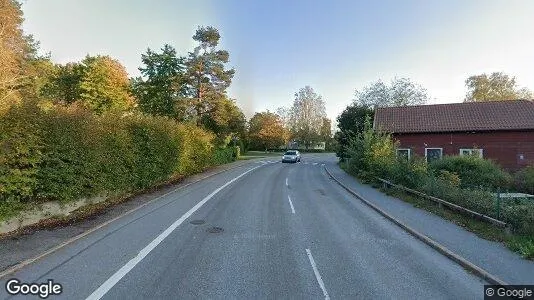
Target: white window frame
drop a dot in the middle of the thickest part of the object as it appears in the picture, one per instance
(480, 151)
(404, 149)
(426, 152)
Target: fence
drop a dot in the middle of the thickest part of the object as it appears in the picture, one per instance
(453, 206)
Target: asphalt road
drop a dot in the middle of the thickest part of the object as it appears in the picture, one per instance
(264, 230)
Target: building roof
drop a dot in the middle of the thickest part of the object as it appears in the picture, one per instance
(471, 116)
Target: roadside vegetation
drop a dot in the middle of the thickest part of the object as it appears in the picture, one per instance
(468, 181)
(83, 129)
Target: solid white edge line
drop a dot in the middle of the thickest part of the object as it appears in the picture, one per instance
(291, 203)
(317, 275)
(115, 278)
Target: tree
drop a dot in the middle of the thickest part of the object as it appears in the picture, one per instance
(15, 48)
(351, 122)
(226, 120)
(325, 132)
(401, 92)
(497, 86)
(64, 83)
(40, 73)
(162, 89)
(266, 131)
(306, 117)
(206, 74)
(285, 115)
(105, 85)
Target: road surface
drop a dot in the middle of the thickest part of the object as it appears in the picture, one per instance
(263, 230)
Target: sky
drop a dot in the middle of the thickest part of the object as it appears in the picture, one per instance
(280, 46)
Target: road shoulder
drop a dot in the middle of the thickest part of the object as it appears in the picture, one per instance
(37, 240)
(491, 256)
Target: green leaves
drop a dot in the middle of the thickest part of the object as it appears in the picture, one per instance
(98, 82)
(163, 85)
(266, 131)
(104, 85)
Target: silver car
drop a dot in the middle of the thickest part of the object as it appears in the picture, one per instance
(291, 156)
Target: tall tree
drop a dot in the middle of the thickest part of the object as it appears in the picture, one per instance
(64, 84)
(307, 115)
(266, 131)
(207, 77)
(226, 120)
(14, 50)
(285, 115)
(325, 133)
(497, 86)
(350, 123)
(162, 88)
(400, 92)
(105, 85)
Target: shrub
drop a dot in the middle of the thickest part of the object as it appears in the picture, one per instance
(20, 152)
(156, 152)
(223, 156)
(477, 200)
(449, 177)
(521, 217)
(66, 170)
(65, 153)
(372, 154)
(524, 180)
(474, 172)
(236, 152)
(410, 173)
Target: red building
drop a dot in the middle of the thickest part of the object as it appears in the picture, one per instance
(500, 130)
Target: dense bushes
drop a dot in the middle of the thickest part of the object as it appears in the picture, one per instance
(474, 172)
(67, 153)
(524, 180)
(465, 181)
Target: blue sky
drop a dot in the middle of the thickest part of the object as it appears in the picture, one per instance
(279, 46)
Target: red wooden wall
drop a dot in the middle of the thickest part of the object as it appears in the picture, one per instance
(510, 149)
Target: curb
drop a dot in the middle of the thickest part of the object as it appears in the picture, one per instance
(425, 239)
(29, 261)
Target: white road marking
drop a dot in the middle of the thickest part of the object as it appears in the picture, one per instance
(315, 164)
(291, 203)
(108, 284)
(317, 275)
(287, 184)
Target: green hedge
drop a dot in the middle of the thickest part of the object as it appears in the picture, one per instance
(524, 180)
(68, 153)
(474, 172)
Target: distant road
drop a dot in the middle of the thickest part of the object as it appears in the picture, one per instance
(264, 230)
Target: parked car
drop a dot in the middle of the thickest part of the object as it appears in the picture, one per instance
(291, 156)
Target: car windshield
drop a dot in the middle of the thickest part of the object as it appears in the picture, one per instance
(291, 153)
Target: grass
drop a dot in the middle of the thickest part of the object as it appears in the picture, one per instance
(524, 245)
(259, 154)
(263, 153)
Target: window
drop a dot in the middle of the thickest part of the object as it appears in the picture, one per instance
(474, 152)
(432, 154)
(404, 153)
